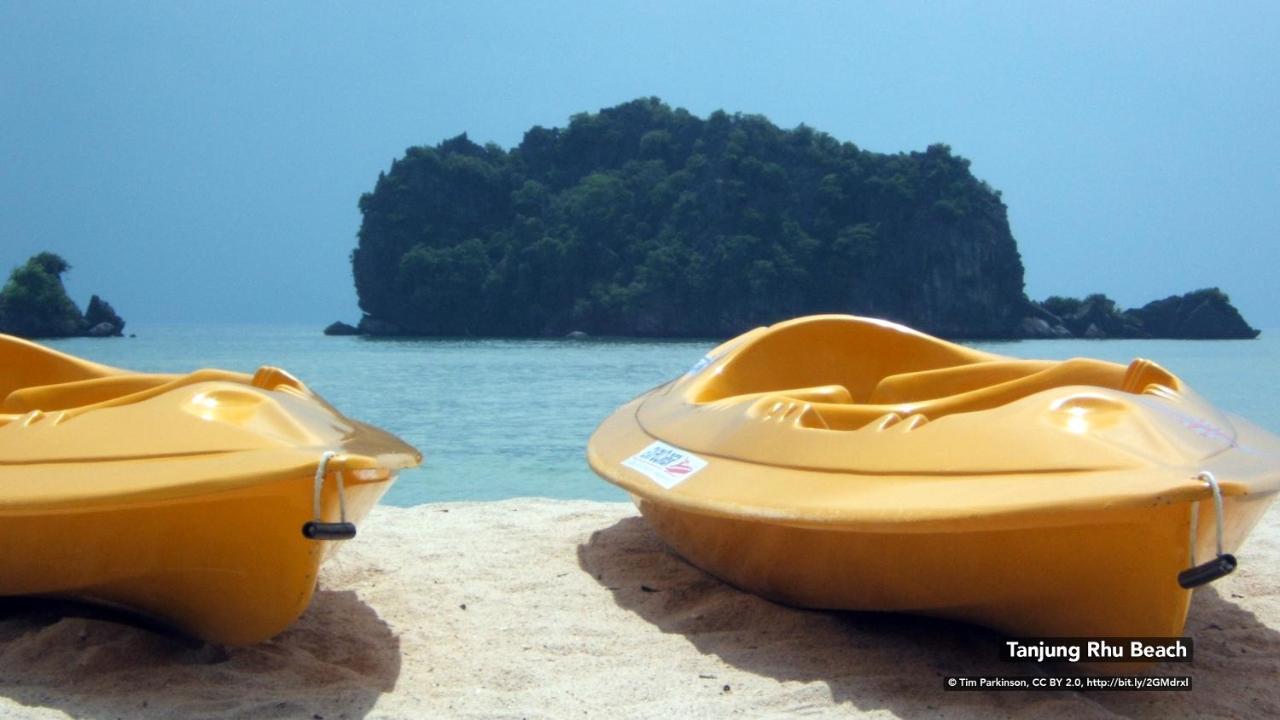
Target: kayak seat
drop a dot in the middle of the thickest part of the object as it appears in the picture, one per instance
(929, 395)
(850, 373)
(941, 382)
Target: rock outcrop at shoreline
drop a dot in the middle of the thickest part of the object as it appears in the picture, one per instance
(1203, 314)
(34, 304)
(643, 220)
(1200, 315)
(101, 319)
(341, 328)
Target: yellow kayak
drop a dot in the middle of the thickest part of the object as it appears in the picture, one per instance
(206, 501)
(843, 462)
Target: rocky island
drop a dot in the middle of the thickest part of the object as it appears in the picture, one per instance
(1200, 315)
(642, 220)
(34, 304)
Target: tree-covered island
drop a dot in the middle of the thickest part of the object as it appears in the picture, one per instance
(34, 304)
(645, 220)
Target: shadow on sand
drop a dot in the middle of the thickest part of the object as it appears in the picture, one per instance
(899, 662)
(86, 661)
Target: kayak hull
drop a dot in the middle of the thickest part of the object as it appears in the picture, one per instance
(1108, 574)
(230, 567)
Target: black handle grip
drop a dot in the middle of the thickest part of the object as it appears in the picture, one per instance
(1220, 566)
(328, 530)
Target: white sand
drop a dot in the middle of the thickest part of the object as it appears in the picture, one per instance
(575, 609)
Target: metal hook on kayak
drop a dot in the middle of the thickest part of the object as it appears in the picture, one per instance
(317, 529)
(1223, 563)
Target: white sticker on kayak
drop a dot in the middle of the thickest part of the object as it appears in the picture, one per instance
(665, 465)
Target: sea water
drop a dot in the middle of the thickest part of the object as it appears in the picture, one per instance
(510, 418)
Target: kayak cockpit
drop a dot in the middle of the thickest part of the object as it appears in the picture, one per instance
(824, 362)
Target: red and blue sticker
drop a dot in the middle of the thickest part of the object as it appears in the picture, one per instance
(668, 466)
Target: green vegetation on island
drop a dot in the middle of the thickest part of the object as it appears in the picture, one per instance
(34, 304)
(645, 220)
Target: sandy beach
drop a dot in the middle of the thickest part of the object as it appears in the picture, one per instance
(542, 608)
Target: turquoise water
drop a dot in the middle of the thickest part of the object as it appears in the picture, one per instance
(510, 418)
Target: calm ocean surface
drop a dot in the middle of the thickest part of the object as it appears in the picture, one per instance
(509, 418)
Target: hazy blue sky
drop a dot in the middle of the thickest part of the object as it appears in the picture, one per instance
(202, 161)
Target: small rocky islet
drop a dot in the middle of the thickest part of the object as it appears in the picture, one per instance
(34, 304)
(643, 220)
(1199, 315)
